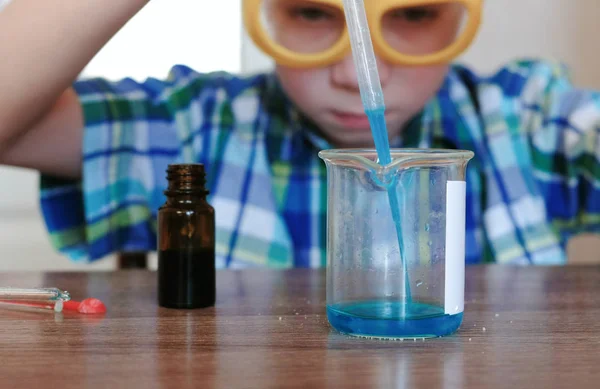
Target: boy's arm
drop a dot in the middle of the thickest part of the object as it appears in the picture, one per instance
(46, 45)
(132, 132)
(565, 136)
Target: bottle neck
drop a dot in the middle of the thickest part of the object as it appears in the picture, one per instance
(186, 184)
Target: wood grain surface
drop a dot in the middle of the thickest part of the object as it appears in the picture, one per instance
(523, 328)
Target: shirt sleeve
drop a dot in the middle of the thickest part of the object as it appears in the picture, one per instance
(133, 131)
(563, 124)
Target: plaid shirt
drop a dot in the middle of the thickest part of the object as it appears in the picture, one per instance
(534, 181)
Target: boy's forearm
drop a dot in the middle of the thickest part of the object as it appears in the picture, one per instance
(45, 46)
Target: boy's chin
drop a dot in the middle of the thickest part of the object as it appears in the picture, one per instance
(352, 139)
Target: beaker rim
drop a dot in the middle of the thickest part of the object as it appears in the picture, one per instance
(399, 155)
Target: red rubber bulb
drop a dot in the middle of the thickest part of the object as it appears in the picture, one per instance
(88, 306)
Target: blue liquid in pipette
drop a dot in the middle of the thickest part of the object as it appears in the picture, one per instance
(380, 137)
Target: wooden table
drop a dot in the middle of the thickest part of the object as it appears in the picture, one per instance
(269, 330)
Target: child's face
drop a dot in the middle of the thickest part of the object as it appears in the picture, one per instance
(330, 95)
(331, 98)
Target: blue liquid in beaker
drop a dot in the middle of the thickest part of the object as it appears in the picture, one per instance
(384, 319)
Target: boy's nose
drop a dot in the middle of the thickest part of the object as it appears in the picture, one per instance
(343, 73)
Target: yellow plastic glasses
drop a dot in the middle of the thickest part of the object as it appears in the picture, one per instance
(312, 33)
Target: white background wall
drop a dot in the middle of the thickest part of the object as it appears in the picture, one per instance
(184, 31)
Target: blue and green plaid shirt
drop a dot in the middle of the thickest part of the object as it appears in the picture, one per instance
(534, 181)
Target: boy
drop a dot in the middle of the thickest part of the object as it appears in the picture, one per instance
(103, 147)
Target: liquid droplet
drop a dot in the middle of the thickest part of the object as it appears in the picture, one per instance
(430, 243)
(427, 227)
(483, 329)
(419, 283)
(497, 315)
(469, 339)
(279, 318)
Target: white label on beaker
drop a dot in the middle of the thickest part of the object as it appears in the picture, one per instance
(455, 247)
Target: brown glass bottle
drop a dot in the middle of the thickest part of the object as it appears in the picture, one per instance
(186, 241)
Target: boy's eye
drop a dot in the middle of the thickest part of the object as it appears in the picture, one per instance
(416, 14)
(311, 14)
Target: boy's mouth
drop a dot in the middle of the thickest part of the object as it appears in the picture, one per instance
(350, 120)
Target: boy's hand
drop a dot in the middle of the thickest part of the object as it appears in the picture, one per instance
(46, 45)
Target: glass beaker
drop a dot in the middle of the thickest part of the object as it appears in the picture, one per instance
(396, 278)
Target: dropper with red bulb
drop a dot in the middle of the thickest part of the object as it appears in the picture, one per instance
(47, 299)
